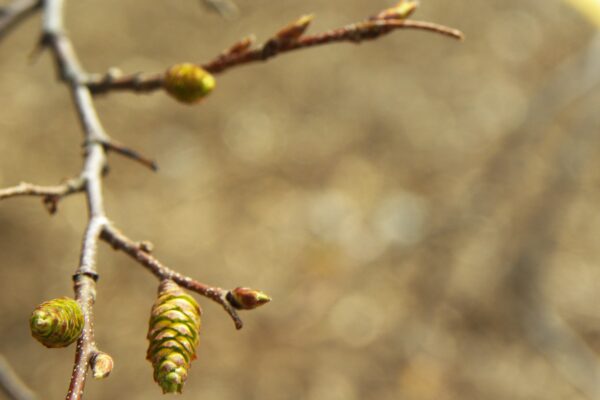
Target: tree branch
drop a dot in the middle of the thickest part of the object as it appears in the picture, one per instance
(241, 54)
(140, 253)
(70, 71)
(127, 152)
(51, 195)
(97, 143)
(16, 12)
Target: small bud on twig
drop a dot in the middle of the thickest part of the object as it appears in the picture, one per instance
(146, 246)
(188, 83)
(247, 299)
(402, 10)
(51, 203)
(102, 365)
(240, 46)
(293, 31)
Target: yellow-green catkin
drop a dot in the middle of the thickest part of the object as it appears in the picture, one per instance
(57, 323)
(173, 335)
(188, 83)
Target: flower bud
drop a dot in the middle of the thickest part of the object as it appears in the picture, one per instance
(188, 83)
(402, 10)
(102, 365)
(247, 299)
(241, 46)
(293, 31)
(57, 323)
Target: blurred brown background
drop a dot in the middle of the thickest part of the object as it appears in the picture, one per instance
(424, 213)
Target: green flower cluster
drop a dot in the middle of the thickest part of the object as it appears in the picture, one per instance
(57, 323)
(173, 335)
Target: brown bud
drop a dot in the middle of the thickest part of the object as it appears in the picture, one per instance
(102, 365)
(402, 10)
(146, 246)
(247, 299)
(241, 46)
(293, 31)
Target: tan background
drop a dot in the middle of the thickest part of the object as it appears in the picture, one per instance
(425, 213)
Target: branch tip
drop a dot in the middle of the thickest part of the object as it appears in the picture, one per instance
(290, 38)
(111, 145)
(137, 251)
(402, 10)
(101, 365)
(146, 246)
(294, 30)
(240, 47)
(243, 298)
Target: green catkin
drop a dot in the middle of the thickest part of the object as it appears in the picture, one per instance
(173, 335)
(57, 323)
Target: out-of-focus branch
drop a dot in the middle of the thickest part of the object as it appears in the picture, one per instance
(226, 8)
(354, 33)
(141, 254)
(11, 385)
(242, 53)
(16, 12)
(533, 238)
(543, 325)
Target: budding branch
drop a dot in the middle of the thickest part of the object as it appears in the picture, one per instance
(97, 143)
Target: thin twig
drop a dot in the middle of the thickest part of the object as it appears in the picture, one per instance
(16, 12)
(28, 189)
(11, 385)
(51, 195)
(354, 33)
(138, 252)
(127, 152)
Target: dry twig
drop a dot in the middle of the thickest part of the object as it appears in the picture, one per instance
(139, 252)
(16, 12)
(241, 53)
(51, 195)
